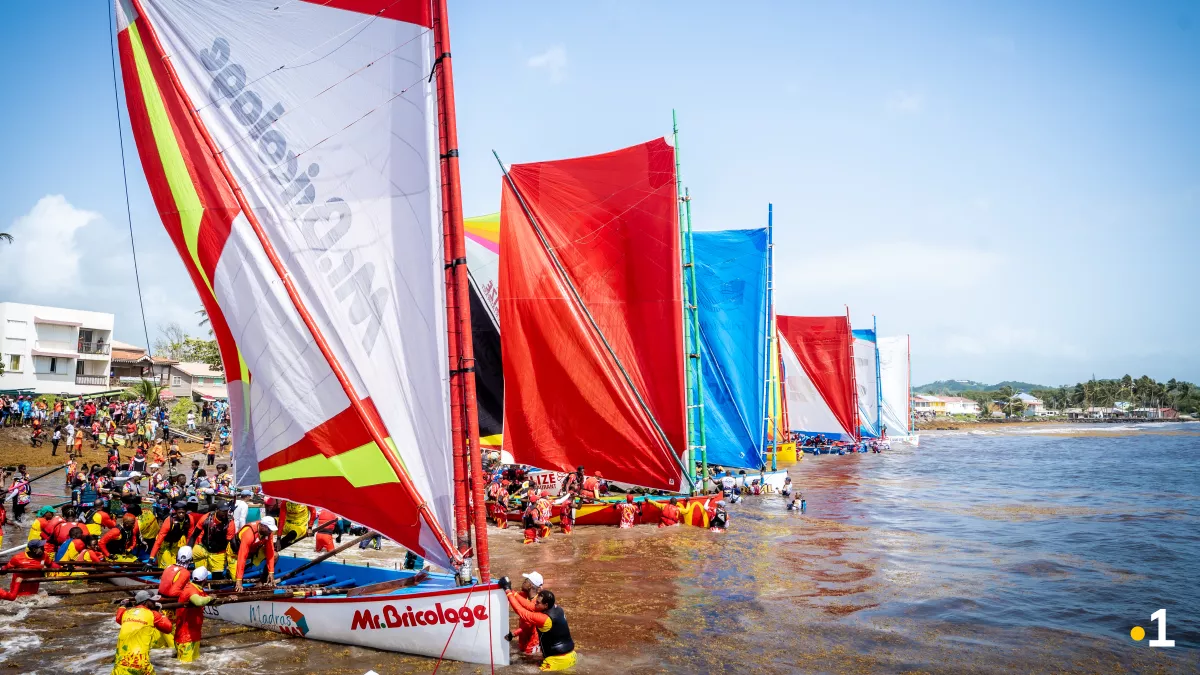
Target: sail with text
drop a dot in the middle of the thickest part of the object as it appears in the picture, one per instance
(292, 154)
(818, 362)
(483, 261)
(866, 379)
(731, 290)
(894, 382)
(591, 309)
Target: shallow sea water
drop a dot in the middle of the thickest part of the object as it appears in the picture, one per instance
(1006, 551)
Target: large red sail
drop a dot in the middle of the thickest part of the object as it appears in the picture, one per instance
(611, 221)
(822, 345)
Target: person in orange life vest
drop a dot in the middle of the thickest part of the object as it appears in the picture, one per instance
(326, 524)
(28, 563)
(532, 522)
(119, 542)
(573, 481)
(189, 619)
(558, 649)
(718, 517)
(101, 520)
(176, 575)
(142, 628)
(670, 513)
(172, 534)
(498, 507)
(566, 517)
(629, 512)
(44, 524)
(545, 512)
(591, 487)
(526, 633)
(251, 539)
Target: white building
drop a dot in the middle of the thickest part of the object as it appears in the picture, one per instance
(958, 405)
(51, 350)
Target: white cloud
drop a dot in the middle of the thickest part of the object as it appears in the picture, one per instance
(44, 249)
(553, 61)
(906, 102)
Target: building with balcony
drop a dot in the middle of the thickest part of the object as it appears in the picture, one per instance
(53, 350)
(131, 363)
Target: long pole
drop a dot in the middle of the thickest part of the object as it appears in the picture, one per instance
(767, 359)
(566, 281)
(285, 278)
(878, 380)
(857, 430)
(464, 371)
(691, 331)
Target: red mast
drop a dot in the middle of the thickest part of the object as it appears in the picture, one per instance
(468, 469)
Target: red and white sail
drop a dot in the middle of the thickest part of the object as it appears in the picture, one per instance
(298, 140)
(818, 361)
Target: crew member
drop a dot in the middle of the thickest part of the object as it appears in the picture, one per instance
(253, 540)
(326, 528)
(591, 487)
(72, 547)
(558, 649)
(532, 522)
(527, 633)
(545, 511)
(189, 619)
(28, 563)
(150, 523)
(718, 517)
(173, 534)
(629, 512)
(566, 514)
(100, 520)
(43, 526)
(573, 481)
(210, 541)
(296, 518)
(670, 513)
(176, 575)
(119, 542)
(141, 627)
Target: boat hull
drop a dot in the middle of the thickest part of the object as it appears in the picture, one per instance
(693, 511)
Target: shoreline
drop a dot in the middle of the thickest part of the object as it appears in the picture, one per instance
(948, 424)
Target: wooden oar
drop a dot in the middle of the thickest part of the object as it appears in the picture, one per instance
(86, 577)
(385, 586)
(325, 556)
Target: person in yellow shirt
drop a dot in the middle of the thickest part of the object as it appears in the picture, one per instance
(141, 624)
(296, 518)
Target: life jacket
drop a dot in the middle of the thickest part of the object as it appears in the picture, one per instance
(719, 518)
(178, 530)
(556, 641)
(68, 551)
(528, 519)
(122, 544)
(236, 544)
(148, 524)
(173, 579)
(46, 526)
(214, 536)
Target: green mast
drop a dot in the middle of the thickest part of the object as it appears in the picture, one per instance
(691, 328)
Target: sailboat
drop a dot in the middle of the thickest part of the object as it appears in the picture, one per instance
(895, 389)
(866, 378)
(591, 309)
(819, 379)
(303, 159)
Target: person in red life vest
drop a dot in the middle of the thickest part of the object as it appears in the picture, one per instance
(326, 527)
(670, 513)
(172, 534)
(566, 516)
(558, 649)
(119, 542)
(3, 520)
(251, 540)
(62, 532)
(531, 520)
(545, 513)
(629, 511)
(210, 540)
(176, 575)
(142, 628)
(718, 517)
(189, 619)
(526, 633)
(31, 562)
(591, 487)
(498, 504)
(573, 481)
(93, 552)
(43, 526)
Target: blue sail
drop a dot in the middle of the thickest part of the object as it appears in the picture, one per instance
(731, 289)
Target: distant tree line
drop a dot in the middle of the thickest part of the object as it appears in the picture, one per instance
(1143, 392)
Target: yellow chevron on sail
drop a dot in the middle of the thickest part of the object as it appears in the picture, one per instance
(363, 466)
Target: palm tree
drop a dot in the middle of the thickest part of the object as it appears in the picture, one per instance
(203, 314)
(4, 236)
(147, 390)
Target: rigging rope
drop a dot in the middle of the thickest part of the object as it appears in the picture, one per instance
(112, 48)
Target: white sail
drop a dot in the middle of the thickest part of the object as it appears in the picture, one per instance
(807, 410)
(866, 380)
(894, 383)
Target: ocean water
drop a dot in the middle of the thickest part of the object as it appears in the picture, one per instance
(1012, 551)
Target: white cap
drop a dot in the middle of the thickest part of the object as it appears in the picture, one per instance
(269, 521)
(183, 555)
(135, 474)
(534, 578)
(200, 574)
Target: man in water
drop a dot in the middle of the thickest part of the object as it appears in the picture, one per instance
(531, 520)
(189, 619)
(141, 626)
(526, 633)
(629, 512)
(718, 517)
(28, 563)
(558, 649)
(670, 513)
(252, 540)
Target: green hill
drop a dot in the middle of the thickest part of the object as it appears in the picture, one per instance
(951, 387)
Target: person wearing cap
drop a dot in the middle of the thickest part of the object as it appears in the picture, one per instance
(173, 534)
(526, 633)
(629, 511)
(133, 486)
(28, 563)
(210, 540)
(44, 524)
(550, 621)
(142, 626)
(591, 487)
(189, 619)
(253, 540)
(176, 575)
(718, 517)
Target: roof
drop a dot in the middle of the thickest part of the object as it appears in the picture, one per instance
(956, 399)
(128, 355)
(117, 344)
(1027, 398)
(196, 369)
(211, 391)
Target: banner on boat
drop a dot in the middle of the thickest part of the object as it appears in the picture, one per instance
(239, 103)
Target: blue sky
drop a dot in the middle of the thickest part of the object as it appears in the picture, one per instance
(1017, 185)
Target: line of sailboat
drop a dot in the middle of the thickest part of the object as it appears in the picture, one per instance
(303, 158)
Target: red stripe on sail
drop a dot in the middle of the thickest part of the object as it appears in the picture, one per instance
(409, 11)
(340, 433)
(612, 220)
(822, 345)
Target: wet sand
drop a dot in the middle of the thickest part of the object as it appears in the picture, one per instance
(870, 580)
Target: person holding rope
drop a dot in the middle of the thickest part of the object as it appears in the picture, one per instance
(526, 633)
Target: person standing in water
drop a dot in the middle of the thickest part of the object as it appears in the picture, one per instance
(554, 635)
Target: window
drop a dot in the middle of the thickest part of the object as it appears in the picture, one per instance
(176, 381)
(79, 367)
(14, 363)
(53, 364)
(218, 380)
(15, 329)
